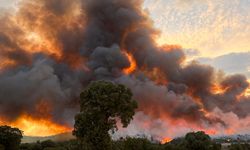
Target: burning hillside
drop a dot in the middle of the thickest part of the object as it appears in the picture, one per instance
(52, 49)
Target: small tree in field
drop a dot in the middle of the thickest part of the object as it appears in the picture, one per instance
(101, 104)
(10, 138)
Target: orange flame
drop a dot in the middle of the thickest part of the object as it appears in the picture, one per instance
(38, 127)
(166, 140)
(38, 124)
(132, 66)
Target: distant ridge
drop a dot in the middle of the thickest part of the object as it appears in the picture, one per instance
(237, 137)
(68, 136)
(56, 138)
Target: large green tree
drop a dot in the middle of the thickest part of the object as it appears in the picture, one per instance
(199, 141)
(10, 138)
(101, 105)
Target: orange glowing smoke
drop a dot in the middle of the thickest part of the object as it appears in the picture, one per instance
(40, 124)
(247, 92)
(6, 63)
(38, 127)
(217, 89)
(166, 47)
(166, 140)
(36, 42)
(40, 34)
(156, 75)
(132, 66)
(211, 132)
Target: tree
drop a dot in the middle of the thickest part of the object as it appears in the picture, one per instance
(138, 144)
(193, 141)
(1, 147)
(48, 144)
(198, 141)
(101, 104)
(239, 146)
(10, 138)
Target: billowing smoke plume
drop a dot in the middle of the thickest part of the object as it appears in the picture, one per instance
(50, 50)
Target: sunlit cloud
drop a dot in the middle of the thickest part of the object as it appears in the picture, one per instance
(215, 27)
(232, 63)
(8, 3)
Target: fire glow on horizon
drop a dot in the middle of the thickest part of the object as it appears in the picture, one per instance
(35, 126)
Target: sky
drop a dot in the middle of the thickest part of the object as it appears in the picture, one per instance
(7, 3)
(214, 27)
(214, 32)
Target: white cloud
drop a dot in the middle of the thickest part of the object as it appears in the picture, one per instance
(216, 27)
(7, 3)
(230, 63)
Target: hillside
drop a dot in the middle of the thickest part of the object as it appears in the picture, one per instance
(56, 138)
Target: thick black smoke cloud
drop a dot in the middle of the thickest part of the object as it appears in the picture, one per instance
(93, 38)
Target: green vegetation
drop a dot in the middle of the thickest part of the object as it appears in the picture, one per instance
(193, 141)
(200, 141)
(1, 147)
(101, 104)
(130, 143)
(239, 146)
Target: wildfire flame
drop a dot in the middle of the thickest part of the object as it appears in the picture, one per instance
(166, 140)
(40, 124)
(35, 126)
(132, 66)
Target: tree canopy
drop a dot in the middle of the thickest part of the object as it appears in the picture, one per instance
(193, 141)
(198, 141)
(101, 105)
(10, 138)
